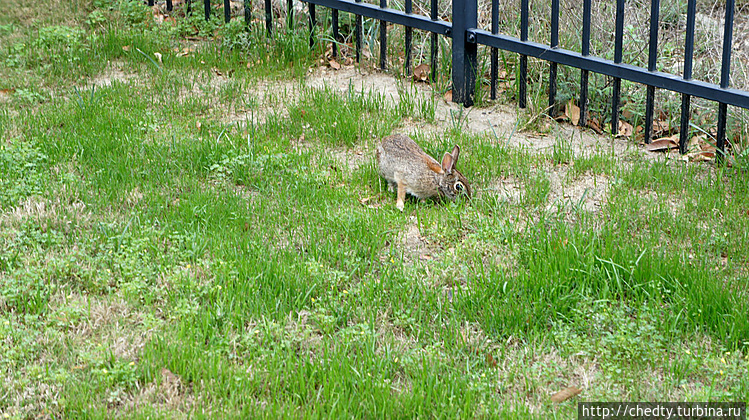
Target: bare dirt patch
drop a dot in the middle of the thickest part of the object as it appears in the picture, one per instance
(498, 121)
(170, 394)
(351, 158)
(587, 192)
(113, 74)
(509, 189)
(262, 99)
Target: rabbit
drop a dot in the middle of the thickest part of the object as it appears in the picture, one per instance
(406, 166)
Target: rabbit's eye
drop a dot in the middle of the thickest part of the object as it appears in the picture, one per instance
(459, 186)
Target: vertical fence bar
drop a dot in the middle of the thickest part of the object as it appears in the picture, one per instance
(358, 35)
(465, 63)
(268, 18)
(289, 14)
(725, 76)
(688, 55)
(409, 35)
(312, 24)
(522, 83)
(247, 12)
(169, 6)
(227, 11)
(553, 67)
(207, 9)
(150, 3)
(495, 51)
(433, 42)
(188, 10)
(383, 39)
(619, 38)
(336, 35)
(655, 7)
(584, 73)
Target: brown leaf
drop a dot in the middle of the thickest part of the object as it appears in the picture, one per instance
(349, 61)
(125, 48)
(701, 156)
(8, 91)
(572, 112)
(368, 202)
(425, 257)
(449, 96)
(660, 128)
(704, 145)
(216, 71)
(565, 394)
(625, 129)
(334, 65)
(663, 144)
(186, 51)
(595, 125)
(421, 73)
(198, 125)
(490, 360)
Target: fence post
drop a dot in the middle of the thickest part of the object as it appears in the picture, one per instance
(465, 16)
(725, 77)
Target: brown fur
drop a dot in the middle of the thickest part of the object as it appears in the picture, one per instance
(406, 166)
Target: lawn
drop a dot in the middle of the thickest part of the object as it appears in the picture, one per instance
(192, 225)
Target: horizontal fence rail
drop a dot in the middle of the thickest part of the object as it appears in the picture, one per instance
(632, 73)
(466, 36)
(386, 14)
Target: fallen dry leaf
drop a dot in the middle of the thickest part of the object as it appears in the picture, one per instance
(572, 112)
(369, 203)
(565, 394)
(198, 125)
(663, 144)
(348, 62)
(421, 73)
(334, 65)
(660, 128)
(490, 360)
(185, 51)
(449, 95)
(625, 129)
(595, 125)
(701, 156)
(125, 48)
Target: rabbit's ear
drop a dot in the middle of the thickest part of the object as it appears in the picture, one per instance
(455, 153)
(448, 162)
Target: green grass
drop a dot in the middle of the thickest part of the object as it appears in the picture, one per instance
(200, 238)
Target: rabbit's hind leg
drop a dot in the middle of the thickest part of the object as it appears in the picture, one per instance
(400, 203)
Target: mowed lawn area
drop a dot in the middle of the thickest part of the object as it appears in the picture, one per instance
(191, 228)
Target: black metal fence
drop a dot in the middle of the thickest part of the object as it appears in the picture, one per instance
(466, 37)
